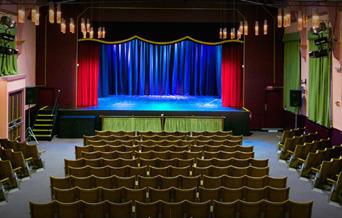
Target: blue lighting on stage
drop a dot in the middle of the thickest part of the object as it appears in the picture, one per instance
(161, 103)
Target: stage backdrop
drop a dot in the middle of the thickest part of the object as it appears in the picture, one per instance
(136, 67)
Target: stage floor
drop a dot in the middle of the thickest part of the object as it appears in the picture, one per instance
(161, 103)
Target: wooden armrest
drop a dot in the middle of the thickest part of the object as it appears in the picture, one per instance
(4, 180)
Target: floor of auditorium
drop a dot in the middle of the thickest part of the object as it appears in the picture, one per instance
(37, 188)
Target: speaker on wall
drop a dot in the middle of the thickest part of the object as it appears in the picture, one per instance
(295, 98)
(31, 95)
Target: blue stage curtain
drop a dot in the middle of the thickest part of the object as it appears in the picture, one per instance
(140, 68)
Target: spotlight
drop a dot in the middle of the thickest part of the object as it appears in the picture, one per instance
(8, 51)
(7, 21)
(7, 37)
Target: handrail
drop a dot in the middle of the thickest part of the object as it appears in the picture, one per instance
(55, 105)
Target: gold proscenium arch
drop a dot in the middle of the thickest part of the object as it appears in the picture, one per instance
(240, 14)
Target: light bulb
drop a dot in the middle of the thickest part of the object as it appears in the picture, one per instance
(103, 32)
(265, 27)
(221, 33)
(245, 28)
(256, 28)
(84, 33)
(63, 25)
(91, 32)
(88, 25)
(72, 25)
(83, 25)
(225, 33)
(51, 13)
(99, 33)
(21, 15)
(36, 21)
(280, 18)
(59, 14)
(232, 33)
(33, 14)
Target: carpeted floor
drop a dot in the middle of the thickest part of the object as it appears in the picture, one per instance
(37, 188)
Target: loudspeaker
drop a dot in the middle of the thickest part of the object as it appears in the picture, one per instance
(295, 98)
(31, 95)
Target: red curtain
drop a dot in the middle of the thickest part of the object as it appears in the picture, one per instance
(232, 75)
(87, 74)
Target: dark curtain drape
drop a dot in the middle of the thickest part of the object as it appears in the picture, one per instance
(141, 68)
(232, 59)
(87, 74)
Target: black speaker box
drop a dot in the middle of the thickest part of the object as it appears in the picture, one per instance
(31, 95)
(295, 98)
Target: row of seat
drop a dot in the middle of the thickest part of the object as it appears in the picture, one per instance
(151, 133)
(171, 194)
(302, 151)
(169, 171)
(166, 155)
(166, 182)
(165, 142)
(18, 162)
(162, 209)
(8, 177)
(289, 146)
(159, 162)
(160, 148)
(317, 160)
(289, 133)
(31, 152)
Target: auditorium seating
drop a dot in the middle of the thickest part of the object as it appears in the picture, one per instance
(17, 160)
(238, 208)
(291, 133)
(316, 159)
(168, 175)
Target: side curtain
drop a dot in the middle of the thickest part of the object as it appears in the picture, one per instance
(140, 68)
(291, 68)
(231, 75)
(8, 62)
(87, 74)
(319, 87)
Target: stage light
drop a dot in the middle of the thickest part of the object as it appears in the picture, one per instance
(51, 13)
(7, 21)
(315, 20)
(63, 26)
(300, 21)
(103, 32)
(265, 27)
(59, 14)
(84, 33)
(287, 18)
(91, 32)
(36, 22)
(280, 18)
(33, 14)
(72, 25)
(245, 28)
(21, 14)
(221, 33)
(256, 28)
(224, 33)
(88, 25)
(83, 25)
(99, 33)
(232, 33)
(240, 27)
(239, 34)
(7, 37)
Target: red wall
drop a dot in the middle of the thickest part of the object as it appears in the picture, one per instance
(61, 71)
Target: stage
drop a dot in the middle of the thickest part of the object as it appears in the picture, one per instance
(154, 105)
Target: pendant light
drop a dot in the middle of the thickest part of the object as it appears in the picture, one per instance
(36, 20)
(59, 14)
(300, 21)
(33, 14)
(88, 25)
(83, 25)
(245, 28)
(63, 26)
(51, 13)
(280, 18)
(91, 32)
(232, 33)
(71, 25)
(256, 28)
(21, 14)
(265, 27)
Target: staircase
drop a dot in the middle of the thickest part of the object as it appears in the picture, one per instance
(43, 127)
